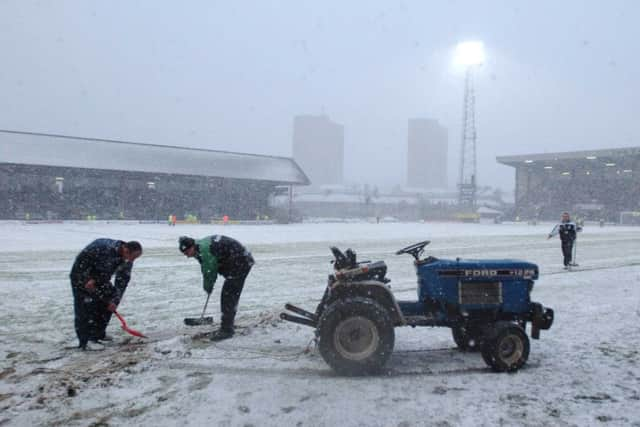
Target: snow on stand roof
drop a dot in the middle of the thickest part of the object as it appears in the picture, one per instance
(610, 154)
(28, 148)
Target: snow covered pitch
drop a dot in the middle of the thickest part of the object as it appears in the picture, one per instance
(584, 371)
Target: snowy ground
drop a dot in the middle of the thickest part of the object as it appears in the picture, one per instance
(584, 371)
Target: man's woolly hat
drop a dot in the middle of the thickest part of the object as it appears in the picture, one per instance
(185, 243)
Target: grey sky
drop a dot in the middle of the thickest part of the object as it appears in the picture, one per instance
(231, 75)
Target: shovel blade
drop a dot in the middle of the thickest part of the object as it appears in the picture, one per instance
(133, 332)
(196, 321)
(126, 328)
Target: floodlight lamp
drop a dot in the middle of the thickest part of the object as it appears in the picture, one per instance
(591, 157)
(548, 167)
(470, 53)
(610, 164)
(528, 161)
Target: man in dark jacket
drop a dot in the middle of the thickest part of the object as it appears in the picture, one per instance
(225, 256)
(568, 232)
(95, 298)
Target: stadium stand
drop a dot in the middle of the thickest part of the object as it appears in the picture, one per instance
(45, 176)
(596, 184)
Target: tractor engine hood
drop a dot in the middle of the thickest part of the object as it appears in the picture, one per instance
(477, 268)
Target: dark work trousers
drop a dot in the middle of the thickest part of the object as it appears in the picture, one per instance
(87, 309)
(105, 315)
(230, 295)
(567, 252)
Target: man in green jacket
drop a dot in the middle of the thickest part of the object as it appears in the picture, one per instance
(225, 256)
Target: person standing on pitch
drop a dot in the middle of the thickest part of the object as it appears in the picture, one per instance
(94, 296)
(568, 232)
(225, 256)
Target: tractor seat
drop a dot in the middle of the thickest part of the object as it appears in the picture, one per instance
(367, 271)
(377, 271)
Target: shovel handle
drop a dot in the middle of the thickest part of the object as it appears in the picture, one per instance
(205, 305)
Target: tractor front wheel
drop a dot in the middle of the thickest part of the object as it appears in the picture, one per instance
(356, 336)
(505, 347)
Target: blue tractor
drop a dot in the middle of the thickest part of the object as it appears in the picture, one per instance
(486, 303)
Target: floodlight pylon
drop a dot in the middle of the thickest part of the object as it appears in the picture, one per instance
(467, 173)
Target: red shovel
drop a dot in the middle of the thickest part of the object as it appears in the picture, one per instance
(128, 329)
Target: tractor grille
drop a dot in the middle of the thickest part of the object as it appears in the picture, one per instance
(472, 293)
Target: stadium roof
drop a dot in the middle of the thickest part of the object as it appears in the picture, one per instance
(623, 156)
(27, 148)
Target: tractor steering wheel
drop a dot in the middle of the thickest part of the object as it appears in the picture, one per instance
(414, 250)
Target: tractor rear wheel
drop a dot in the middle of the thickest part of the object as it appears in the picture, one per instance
(505, 347)
(356, 336)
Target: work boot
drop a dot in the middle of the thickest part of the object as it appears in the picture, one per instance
(221, 334)
(106, 338)
(92, 346)
(202, 336)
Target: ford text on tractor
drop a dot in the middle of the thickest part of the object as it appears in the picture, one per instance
(486, 303)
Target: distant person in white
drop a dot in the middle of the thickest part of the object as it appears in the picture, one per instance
(568, 232)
